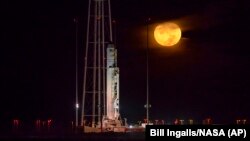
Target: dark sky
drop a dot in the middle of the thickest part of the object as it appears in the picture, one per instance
(205, 75)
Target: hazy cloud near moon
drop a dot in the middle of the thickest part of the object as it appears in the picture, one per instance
(212, 15)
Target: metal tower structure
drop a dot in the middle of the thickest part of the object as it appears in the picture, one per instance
(76, 102)
(100, 100)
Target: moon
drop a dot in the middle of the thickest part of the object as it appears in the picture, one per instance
(167, 34)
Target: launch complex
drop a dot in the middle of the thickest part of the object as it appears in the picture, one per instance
(100, 97)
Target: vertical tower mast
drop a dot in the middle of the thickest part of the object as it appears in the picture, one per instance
(76, 102)
(99, 35)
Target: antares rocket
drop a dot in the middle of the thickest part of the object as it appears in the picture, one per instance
(112, 79)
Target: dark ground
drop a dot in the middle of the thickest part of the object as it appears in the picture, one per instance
(64, 133)
(76, 137)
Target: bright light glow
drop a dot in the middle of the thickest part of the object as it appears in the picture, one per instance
(130, 126)
(167, 34)
(77, 105)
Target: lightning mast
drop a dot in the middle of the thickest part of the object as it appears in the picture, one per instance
(100, 100)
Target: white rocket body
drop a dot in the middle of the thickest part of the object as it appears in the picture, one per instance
(112, 99)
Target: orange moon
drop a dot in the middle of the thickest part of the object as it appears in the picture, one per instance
(167, 34)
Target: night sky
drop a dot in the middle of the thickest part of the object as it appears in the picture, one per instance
(205, 75)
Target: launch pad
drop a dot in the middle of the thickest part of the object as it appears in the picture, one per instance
(111, 121)
(100, 97)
